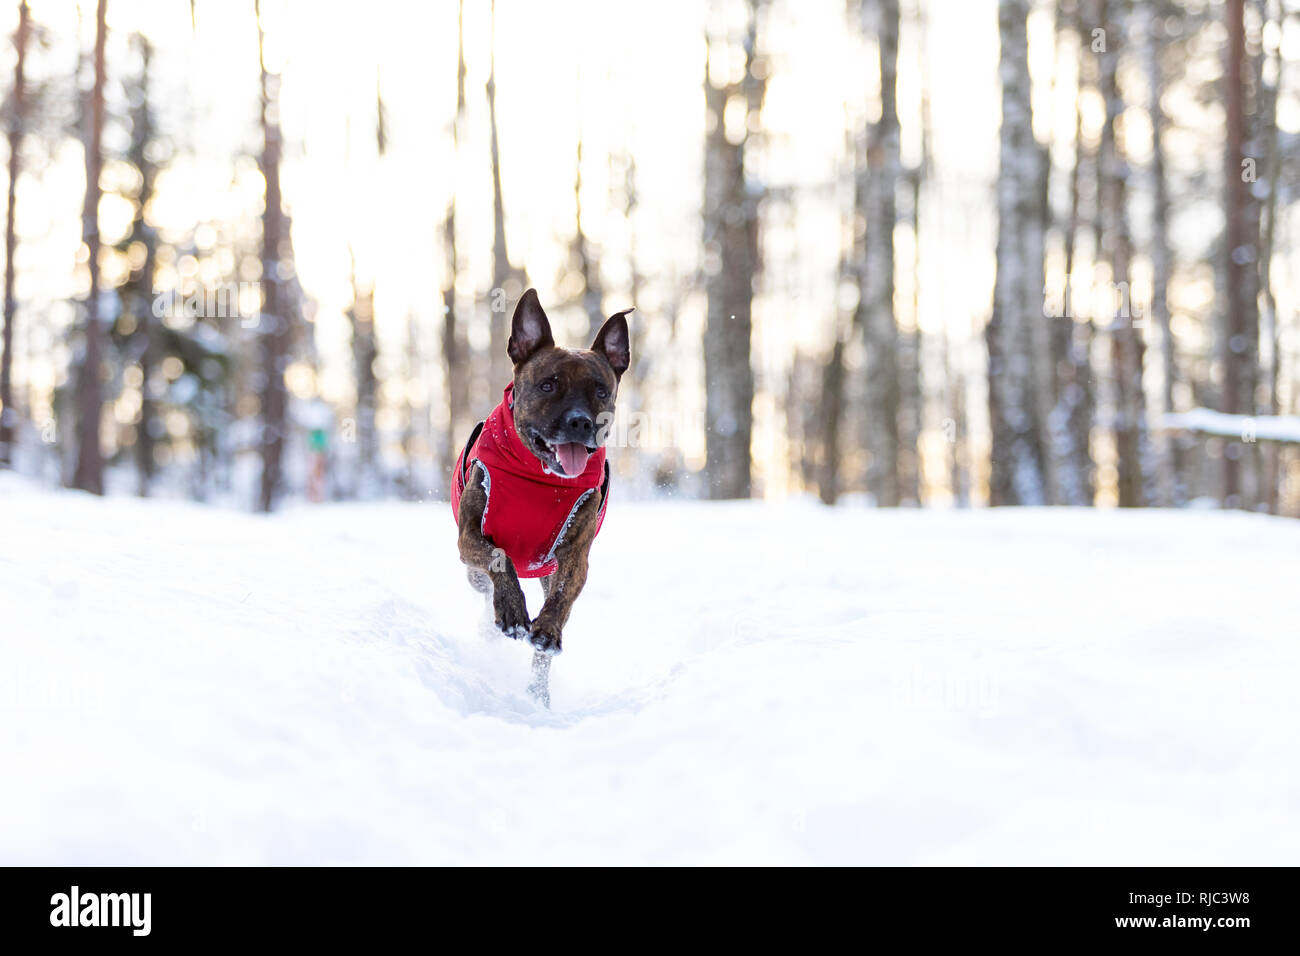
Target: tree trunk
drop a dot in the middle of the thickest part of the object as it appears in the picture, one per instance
(911, 347)
(1040, 326)
(417, 413)
(140, 285)
(1126, 344)
(954, 426)
(880, 328)
(17, 124)
(912, 357)
(365, 350)
(637, 381)
(1173, 490)
(641, 362)
(1268, 90)
(1070, 422)
(731, 225)
(1017, 470)
(276, 315)
(1238, 343)
(499, 368)
(828, 483)
(89, 473)
(588, 267)
(455, 350)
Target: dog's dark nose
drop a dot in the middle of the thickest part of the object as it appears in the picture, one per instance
(579, 423)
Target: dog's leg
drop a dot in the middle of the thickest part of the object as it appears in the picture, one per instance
(563, 587)
(509, 609)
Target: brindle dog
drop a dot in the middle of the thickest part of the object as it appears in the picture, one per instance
(560, 396)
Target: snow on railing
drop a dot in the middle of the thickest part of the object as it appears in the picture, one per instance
(1281, 428)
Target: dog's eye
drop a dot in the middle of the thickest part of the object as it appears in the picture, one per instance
(547, 386)
(601, 392)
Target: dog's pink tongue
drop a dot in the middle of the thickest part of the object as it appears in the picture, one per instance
(573, 458)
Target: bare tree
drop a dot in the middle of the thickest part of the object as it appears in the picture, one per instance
(830, 430)
(731, 223)
(137, 291)
(832, 414)
(1069, 425)
(584, 258)
(503, 273)
(1173, 490)
(954, 425)
(1238, 343)
(365, 347)
(623, 171)
(630, 202)
(365, 352)
(912, 343)
(876, 299)
(17, 124)
(417, 417)
(277, 314)
(1017, 473)
(1126, 344)
(455, 350)
(1269, 86)
(89, 472)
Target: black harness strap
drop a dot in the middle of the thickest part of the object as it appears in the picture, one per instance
(604, 488)
(464, 455)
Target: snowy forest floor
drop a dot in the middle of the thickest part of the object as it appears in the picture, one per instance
(741, 683)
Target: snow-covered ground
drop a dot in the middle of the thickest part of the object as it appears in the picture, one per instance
(741, 683)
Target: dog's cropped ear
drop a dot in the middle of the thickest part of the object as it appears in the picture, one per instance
(529, 329)
(612, 341)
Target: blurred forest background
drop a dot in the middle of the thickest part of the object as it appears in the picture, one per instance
(903, 252)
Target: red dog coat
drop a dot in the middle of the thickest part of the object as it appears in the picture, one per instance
(528, 508)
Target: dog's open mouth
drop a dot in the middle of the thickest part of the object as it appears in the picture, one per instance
(568, 459)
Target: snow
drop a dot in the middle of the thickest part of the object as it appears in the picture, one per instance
(1283, 428)
(741, 683)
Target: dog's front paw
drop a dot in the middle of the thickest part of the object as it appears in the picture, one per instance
(544, 637)
(511, 616)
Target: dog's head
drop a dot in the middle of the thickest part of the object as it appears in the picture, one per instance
(564, 398)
